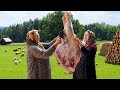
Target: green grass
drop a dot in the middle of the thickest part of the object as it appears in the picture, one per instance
(101, 42)
(106, 70)
(58, 72)
(8, 70)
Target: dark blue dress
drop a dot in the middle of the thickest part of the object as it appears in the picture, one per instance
(85, 68)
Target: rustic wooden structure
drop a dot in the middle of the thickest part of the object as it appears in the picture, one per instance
(5, 41)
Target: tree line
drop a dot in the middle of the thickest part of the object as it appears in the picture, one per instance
(50, 26)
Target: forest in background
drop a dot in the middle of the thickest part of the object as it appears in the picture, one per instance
(50, 26)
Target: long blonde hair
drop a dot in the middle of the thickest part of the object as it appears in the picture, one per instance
(30, 34)
(30, 38)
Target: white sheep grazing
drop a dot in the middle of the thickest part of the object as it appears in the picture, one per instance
(20, 61)
(16, 62)
(23, 51)
(17, 53)
(22, 54)
(15, 58)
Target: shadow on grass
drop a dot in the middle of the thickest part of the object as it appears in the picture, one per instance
(113, 63)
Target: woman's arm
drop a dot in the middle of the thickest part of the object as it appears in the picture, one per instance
(41, 53)
(38, 52)
(91, 50)
(86, 51)
(47, 45)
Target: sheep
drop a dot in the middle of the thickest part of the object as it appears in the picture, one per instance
(22, 54)
(17, 53)
(15, 61)
(15, 50)
(23, 51)
(96, 64)
(20, 61)
(15, 58)
(19, 48)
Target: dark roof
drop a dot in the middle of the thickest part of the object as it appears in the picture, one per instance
(7, 39)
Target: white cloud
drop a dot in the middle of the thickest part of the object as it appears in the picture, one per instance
(87, 17)
(12, 17)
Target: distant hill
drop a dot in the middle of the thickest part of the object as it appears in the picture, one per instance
(1, 28)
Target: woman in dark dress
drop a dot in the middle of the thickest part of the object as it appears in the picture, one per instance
(85, 68)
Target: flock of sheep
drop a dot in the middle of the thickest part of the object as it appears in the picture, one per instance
(16, 61)
(22, 53)
(18, 51)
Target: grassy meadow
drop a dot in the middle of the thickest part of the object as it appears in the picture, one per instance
(9, 70)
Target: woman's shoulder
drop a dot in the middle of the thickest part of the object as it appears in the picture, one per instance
(93, 45)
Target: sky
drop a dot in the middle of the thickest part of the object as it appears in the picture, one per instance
(85, 17)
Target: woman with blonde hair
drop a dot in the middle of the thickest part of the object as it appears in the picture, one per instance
(38, 55)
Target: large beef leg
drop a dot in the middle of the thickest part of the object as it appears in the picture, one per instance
(68, 53)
